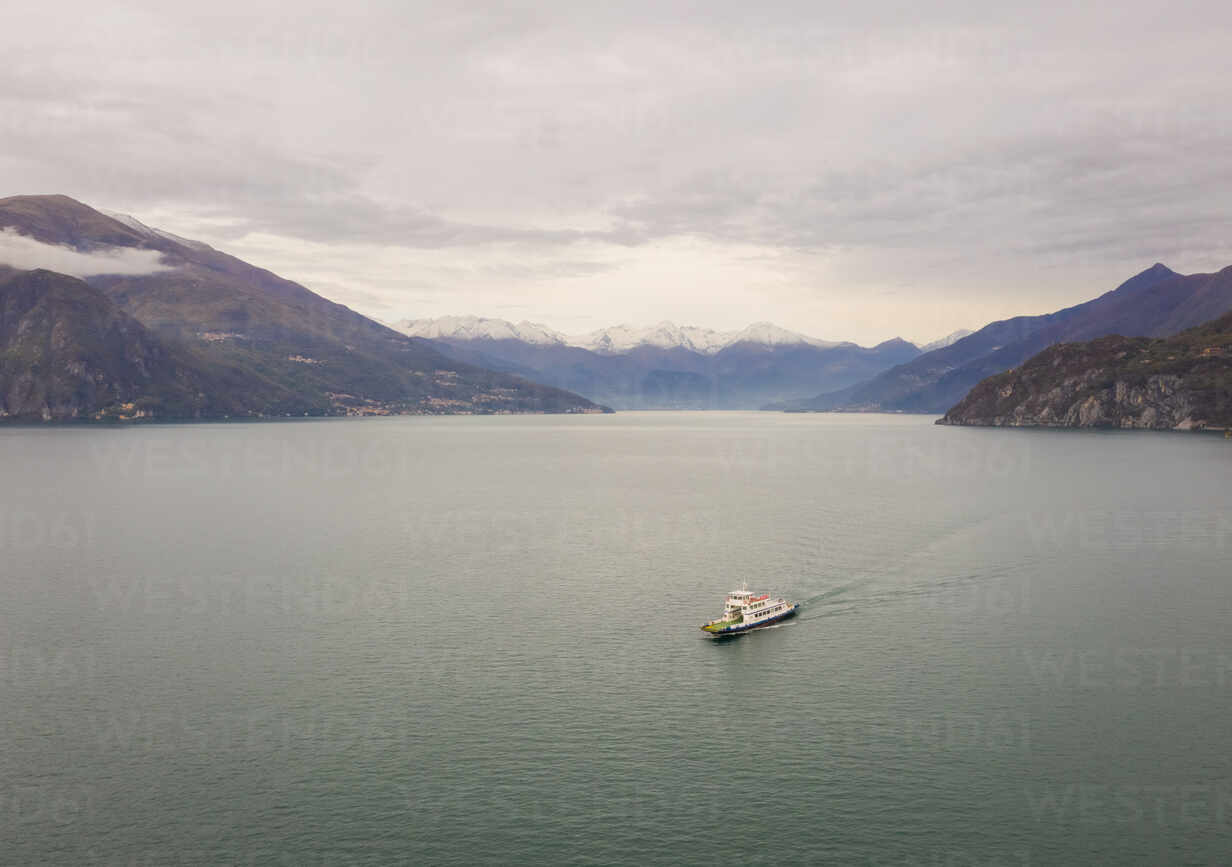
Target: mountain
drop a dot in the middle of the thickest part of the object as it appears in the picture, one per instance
(299, 352)
(949, 340)
(664, 366)
(68, 352)
(1182, 382)
(465, 328)
(616, 340)
(1156, 303)
(705, 341)
(666, 335)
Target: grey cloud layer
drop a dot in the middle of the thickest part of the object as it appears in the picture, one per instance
(993, 132)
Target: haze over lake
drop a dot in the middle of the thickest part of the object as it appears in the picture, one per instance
(474, 640)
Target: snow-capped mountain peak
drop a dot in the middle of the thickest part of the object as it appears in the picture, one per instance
(769, 334)
(150, 232)
(479, 328)
(664, 335)
(948, 340)
(615, 340)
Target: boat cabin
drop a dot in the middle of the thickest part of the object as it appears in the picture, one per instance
(743, 601)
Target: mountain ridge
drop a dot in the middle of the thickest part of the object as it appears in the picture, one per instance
(1156, 302)
(238, 316)
(665, 368)
(1181, 382)
(613, 340)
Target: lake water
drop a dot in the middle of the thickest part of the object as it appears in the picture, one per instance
(474, 640)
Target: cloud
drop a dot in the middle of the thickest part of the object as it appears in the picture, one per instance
(976, 159)
(26, 253)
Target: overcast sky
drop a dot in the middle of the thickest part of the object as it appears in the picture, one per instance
(850, 170)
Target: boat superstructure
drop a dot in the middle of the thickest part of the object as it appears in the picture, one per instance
(744, 610)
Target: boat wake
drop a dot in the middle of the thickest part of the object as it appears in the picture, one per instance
(836, 613)
(834, 591)
(943, 572)
(987, 589)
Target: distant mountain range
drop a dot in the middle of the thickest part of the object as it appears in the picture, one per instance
(167, 327)
(665, 366)
(1182, 382)
(1156, 303)
(607, 341)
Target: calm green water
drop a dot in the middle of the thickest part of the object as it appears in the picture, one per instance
(475, 641)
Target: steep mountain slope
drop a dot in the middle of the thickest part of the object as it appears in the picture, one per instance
(228, 312)
(68, 352)
(666, 366)
(1181, 382)
(1155, 303)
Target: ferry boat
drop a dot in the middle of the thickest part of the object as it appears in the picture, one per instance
(744, 611)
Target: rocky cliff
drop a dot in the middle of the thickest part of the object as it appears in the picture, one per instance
(1182, 382)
